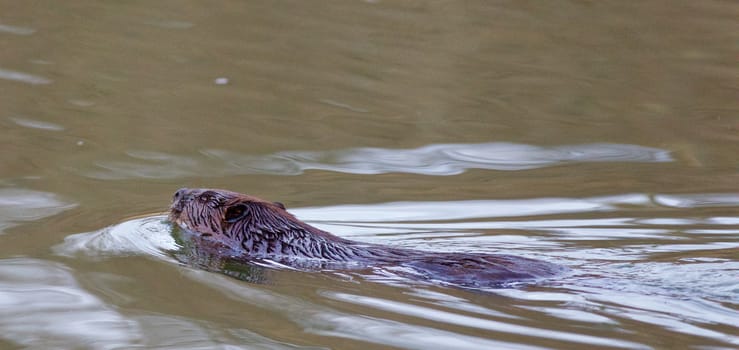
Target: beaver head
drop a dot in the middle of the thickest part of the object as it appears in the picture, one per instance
(245, 223)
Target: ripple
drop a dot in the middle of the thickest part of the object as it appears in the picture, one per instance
(43, 307)
(474, 322)
(698, 200)
(22, 205)
(629, 299)
(654, 271)
(403, 335)
(409, 220)
(455, 210)
(23, 77)
(37, 124)
(170, 24)
(321, 320)
(170, 332)
(434, 159)
(452, 159)
(142, 236)
(16, 30)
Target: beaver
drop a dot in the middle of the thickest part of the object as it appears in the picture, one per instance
(254, 229)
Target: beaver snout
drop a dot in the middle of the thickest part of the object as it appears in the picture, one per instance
(180, 193)
(181, 196)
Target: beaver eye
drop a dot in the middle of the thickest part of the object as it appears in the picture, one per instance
(209, 198)
(235, 212)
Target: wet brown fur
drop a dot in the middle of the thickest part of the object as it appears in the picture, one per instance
(259, 229)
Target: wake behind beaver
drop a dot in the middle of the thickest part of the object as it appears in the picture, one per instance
(253, 229)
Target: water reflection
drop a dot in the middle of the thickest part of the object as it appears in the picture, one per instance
(419, 221)
(652, 270)
(489, 226)
(698, 200)
(37, 124)
(473, 322)
(456, 210)
(5, 28)
(435, 159)
(668, 309)
(43, 307)
(141, 236)
(170, 24)
(167, 332)
(23, 77)
(325, 321)
(21, 205)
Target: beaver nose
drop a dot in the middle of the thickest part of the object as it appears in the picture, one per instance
(180, 194)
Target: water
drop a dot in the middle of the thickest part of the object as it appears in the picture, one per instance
(600, 136)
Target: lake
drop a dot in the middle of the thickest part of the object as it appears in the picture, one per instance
(602, 136)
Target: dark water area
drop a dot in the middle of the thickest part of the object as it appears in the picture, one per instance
(601, 136)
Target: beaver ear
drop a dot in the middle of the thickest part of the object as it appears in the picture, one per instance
(282, 206)
(235, 212)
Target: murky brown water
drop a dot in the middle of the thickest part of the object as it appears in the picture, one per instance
(600, 135)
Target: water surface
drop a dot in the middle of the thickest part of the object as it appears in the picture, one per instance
(600, 136)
